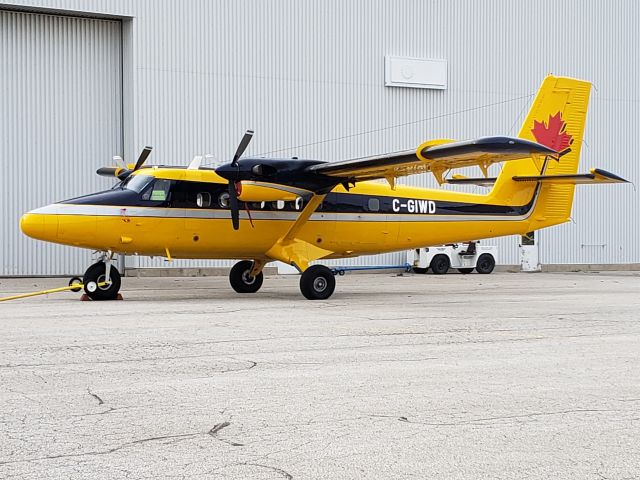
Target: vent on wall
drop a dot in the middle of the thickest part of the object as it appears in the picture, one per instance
(415, 72)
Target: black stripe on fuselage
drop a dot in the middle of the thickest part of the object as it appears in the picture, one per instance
(333, 203)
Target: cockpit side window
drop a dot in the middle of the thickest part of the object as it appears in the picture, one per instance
(159, 192)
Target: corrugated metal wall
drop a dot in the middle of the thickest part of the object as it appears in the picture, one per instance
(60, 119)
(301, 72)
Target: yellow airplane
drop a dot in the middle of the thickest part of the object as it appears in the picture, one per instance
(299, 211)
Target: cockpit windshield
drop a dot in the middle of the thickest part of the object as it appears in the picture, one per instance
(137, 183)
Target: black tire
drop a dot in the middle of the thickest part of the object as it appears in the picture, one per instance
(465, 271)
(440, 264)
(317, 283)
(95, 275)
(240, 280)
(420, 270)
(76, 281)
(486, 263)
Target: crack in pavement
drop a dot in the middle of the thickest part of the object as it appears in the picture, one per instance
(282, 472)
(277, 470)
(491, 419)
(214, 433)
(100, 401)
(99, 452)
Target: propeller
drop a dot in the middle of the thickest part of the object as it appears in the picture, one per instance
(233, 205)
(122, 172)
(244, 143)
(233, 182)
(146, 151)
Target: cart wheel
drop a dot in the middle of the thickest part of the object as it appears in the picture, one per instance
(440, 264)
(76, 281)
(486, 263)
(465, 271)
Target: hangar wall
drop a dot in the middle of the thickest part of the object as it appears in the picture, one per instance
(60, 112)
(303, 72)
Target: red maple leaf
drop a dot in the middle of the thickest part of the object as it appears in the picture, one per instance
(553, 134)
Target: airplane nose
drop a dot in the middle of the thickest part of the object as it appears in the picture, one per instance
(32, 225)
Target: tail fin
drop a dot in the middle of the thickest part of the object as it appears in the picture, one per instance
(556, 119)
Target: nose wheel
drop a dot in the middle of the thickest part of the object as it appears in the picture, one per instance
(96, 284)
(317, 282)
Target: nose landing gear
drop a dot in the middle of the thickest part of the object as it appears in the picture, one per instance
(102, 280)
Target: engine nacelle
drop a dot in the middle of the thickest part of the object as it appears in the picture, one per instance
(262, 192)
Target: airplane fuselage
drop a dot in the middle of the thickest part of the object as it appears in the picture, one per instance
(190, 218)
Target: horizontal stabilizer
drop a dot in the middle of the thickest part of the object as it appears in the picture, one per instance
(595, 176)
(482, 181)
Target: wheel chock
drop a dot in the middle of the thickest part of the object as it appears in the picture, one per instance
(87, 298)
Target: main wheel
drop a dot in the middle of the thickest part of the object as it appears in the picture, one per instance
(440, 264)
(465, 271)
(486, 263)
(95, 275)
(241, 280)
(317, 282)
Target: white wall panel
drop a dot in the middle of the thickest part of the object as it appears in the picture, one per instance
(60, 119)
(301, 72)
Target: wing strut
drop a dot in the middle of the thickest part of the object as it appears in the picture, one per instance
(292, 250)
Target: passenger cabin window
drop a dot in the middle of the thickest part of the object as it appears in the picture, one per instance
(374, 205)
(203, 199)
(223, 200)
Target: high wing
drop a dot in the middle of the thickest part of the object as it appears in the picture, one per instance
(435, 158)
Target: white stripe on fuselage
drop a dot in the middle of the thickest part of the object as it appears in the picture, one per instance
(159, 212)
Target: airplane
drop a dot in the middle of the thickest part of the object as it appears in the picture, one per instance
(298, 211)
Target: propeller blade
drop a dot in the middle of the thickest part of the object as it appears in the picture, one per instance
(119, 162)
(233, 205)
(244, 143)
(143, 157)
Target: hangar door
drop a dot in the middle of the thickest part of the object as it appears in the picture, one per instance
(60, 119)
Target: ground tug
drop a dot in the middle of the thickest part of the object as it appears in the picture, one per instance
(300, 211)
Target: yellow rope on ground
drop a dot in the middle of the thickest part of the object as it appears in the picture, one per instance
(44, 292)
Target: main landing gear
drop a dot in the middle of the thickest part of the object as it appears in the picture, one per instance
(102, 280)
(246, 276)
(316, 282)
